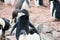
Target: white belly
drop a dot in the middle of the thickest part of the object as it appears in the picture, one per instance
(33, 36)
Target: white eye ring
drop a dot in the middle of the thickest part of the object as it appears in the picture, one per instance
(20, 14)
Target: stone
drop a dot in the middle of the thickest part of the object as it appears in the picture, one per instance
(56, 34)
(47, 29)
(39, 27)
(46, 37)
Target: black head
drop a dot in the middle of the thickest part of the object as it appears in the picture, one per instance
(24, 17)
(25, 12)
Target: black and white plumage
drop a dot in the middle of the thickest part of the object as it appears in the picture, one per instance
(57, 12)
(4, 25)
(39, 3)
(17, 13)
(36, 2)
(23, 35)
(51, 5)
(22, 23)
(33, 35)
(22, 12)
(54, 9)
(20, 5)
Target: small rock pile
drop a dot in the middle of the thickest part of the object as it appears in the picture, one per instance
(48, 33)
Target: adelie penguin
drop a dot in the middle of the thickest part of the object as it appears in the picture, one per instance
(54, 9)
(22, 23)
(17, 13)
(20, 4)
(4, 25)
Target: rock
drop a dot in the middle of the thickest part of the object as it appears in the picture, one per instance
(47, 29)
(11, 37)
(42, 28)
(46, 37)
(58, 38)
(39, 27)
(56, 34)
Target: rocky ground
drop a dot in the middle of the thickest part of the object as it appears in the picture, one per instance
(38, 15)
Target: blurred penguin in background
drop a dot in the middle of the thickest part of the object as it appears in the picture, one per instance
(21, 3)
(41, 2)
(36, 3)
(2, 0)
(54, 9)
(4, 26)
